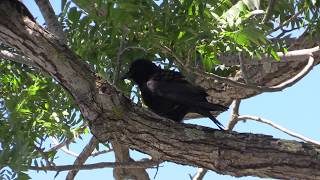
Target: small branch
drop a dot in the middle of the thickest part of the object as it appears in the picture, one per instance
(64, 149)
(116, 73)
(265, 121)
(44, 155)
(243, 69)
(83, 156)
(137, 164)
(51, 20)
(296, 78)
(200, 174)
(59, 146)
(101, 152)
(234, 114)
(287, 21)
(280, 87)
(268, 11)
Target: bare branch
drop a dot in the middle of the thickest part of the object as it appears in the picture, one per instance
(268, 11)
(295, 55)
(11, 56)
(137, 164)
(243, 69)
(101, 152)
(61, 146)
(200, 174)
(51, 20)
(295, 79)
(288, 83)
(269, 122)
(234, 114)
(83, 156)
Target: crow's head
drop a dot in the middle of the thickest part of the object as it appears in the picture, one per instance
(141, 71)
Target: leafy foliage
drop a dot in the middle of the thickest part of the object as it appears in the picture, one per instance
(33, 107)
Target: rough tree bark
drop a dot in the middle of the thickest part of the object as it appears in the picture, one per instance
(112, 117)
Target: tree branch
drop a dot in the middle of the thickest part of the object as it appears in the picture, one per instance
(287, 21)
(44, 156)
(51, 20)
(61, 146)
(122, 155)
(269, 122)
(200, 174)
(275, 88)
(268, 11)
(83, 156)
(116, 73)
(18, 58)
(234, 114)
(140, 164)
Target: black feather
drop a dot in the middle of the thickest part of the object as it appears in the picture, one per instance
(169, 94)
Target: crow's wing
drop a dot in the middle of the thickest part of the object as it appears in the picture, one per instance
(182, 92)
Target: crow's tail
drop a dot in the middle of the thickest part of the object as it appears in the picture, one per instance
(209, 115)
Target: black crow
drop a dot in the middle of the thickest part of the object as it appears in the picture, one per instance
(169, 94)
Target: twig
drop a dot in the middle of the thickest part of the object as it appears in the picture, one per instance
(51, 20)
(234, 114)
(266, 121)
(101, 152)
(64, 149)
(58, 146)
(136, 164)
(268, 11)
(44, 156)
(287, 21)
(116, 72)
(83, 156)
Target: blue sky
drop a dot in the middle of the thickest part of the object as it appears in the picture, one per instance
(295, 108)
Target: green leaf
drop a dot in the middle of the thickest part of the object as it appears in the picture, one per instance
(275, 55)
